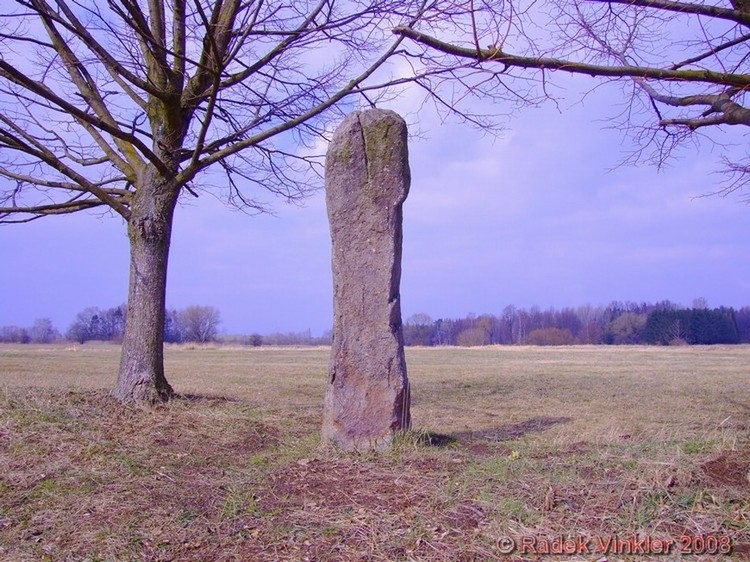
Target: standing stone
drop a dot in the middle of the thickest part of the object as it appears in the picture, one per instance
(367, 180)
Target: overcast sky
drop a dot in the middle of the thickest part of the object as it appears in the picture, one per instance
(536, 217)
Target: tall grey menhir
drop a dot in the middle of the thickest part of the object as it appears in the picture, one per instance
(367, 180)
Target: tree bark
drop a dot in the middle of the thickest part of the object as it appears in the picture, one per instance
(141, 377)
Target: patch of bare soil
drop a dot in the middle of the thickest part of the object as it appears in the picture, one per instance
(730, 467)
(355, 508)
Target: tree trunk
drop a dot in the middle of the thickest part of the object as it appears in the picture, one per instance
(141, 377)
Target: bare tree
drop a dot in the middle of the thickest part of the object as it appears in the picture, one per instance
(86, 325)
(199, 323)
(43, 331)
(687, 63)
(127, 106)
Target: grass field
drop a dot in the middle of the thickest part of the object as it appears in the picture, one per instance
(522, 444)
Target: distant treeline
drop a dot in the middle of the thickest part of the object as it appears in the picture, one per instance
(192, 324)
(663, 323)
(619, 323)
(279, 339)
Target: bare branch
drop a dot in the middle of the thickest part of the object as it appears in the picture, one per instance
(88, 89)
(116, 70)
(17, 139)
(712, 52)
(722, 109)
(179, 43)
(687, 8)
(240, 145)
(8, 215)
(11, 73)
(495, 55)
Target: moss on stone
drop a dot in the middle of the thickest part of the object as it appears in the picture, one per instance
(379, 147)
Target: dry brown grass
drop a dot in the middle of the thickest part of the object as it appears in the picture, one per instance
(582, 442)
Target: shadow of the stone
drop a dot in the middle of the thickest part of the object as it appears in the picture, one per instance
(516, 430)
(496, 434)
(430, 439)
